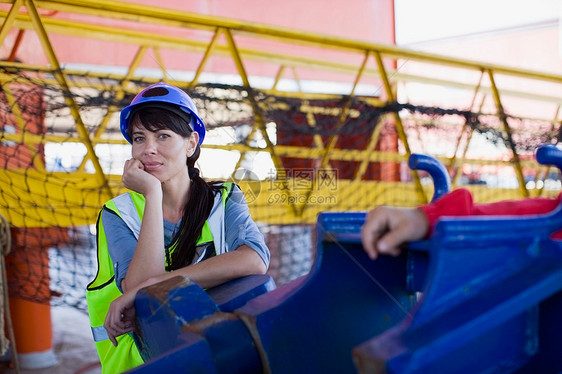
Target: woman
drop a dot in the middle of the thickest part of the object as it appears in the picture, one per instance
(171, 223)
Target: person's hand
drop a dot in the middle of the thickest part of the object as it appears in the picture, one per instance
(120, 318)
(137, 179)
(387, 228)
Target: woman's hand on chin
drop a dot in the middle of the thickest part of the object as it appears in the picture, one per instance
(137, 179)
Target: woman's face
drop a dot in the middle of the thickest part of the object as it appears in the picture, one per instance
(163, 152)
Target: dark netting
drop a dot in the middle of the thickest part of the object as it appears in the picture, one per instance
(52, 189)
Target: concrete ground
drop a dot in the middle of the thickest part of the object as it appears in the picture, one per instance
(72, 344)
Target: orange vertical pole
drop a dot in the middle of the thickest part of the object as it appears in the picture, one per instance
(27, 268)
(27, 264)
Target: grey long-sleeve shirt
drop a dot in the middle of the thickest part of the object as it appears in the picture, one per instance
(239, 226)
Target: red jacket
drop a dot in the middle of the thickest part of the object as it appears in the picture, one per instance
(459, 203)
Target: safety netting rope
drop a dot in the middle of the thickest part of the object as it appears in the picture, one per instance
(51, 192)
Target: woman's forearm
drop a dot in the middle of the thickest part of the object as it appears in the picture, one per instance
(148, 260)
(226, 267)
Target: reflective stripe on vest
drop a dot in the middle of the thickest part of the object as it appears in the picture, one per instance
(103, 289)
(99, 333)
(129, 213)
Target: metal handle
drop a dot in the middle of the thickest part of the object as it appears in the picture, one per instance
(437, 171)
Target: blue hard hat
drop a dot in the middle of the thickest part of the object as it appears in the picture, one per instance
(165, 96)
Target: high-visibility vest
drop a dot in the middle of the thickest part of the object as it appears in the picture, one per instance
(103, 289)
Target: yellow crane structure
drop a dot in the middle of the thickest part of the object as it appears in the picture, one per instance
(303, 122)
(363, 77)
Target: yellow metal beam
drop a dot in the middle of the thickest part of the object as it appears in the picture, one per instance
(510, 143)
(165, 41)
(211, 46)
(9, 20)
(258, 116)
(370, 148)
(158, 15)
(208, 44)
(343, 113)
(399, 126)
(22, 126)
(42, 205)
(51, 56)
(135, 12)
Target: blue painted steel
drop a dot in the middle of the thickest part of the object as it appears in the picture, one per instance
(418, 257)
(192, 353)
(234, 294)
(549, 155)
(490, 302)
(164, 310)
(308, 325)
(492, 299)
(437, 171)
(311, 324)
(219, 343)
(488, 280)
(232, 344)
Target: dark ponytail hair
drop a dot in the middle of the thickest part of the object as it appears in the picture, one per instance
(199, 204)
(201, 193)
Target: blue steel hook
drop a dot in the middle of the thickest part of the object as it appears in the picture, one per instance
(437, 171)
(491, 302)
(545, 155)
(549, 155)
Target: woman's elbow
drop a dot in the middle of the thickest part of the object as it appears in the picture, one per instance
(249, 261)
(256, 263)
(260, 266)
